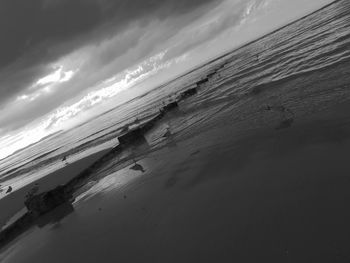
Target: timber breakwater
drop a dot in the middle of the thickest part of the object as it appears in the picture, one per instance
(43, 204)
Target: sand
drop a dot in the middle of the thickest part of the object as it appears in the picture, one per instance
(13, 202)
(260, 196)
(259, 178)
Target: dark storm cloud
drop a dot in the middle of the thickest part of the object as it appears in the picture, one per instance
(37, 32)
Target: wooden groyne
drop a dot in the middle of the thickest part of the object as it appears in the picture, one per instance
(45, 203)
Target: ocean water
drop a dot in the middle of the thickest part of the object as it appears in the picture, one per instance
(308, 46)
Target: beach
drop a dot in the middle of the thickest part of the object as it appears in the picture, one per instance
(252, 166)
(277, 194)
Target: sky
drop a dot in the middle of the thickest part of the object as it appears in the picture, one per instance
(61, 58)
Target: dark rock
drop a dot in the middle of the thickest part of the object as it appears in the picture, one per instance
(201, 82)
(169, 107)
(211, 74)
(131, 137)
(137, 135)
(47, 201)
(188, 93)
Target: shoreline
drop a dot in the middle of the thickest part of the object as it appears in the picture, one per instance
(42, 203)
(242, 169)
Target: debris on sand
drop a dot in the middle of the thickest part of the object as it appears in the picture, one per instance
(9, 190)
(137, 167)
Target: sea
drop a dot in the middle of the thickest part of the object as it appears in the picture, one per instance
(312, 44)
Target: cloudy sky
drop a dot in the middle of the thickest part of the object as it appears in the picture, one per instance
(59, 58)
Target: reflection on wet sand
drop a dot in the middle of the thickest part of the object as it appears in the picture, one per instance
(245, 182)
(29, 220)
(56, 215)
(52, 206)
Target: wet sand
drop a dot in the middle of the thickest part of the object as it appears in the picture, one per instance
(234, 194)
(259, 173)
(14, 202)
